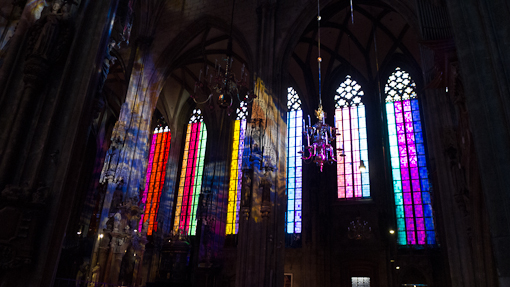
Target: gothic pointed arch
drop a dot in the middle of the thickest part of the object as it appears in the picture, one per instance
(190, 182)
(408, 160)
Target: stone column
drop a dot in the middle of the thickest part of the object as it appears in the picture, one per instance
(482, 37)
(44, 129)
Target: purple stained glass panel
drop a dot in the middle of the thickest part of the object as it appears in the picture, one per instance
(410, 139)
(414, 175)
(408, 117)
(408, 212)
(410, 223)
(411, 238)
(407, 105)
(407, 198)
(400, 128)
(398, 117)
(421, 237)
(417, 197)
(411, 150)
(418, 210)
(409, 127)
(419, 223)
(398, 107)
(406, 185)
(405, 174)
(416, 185)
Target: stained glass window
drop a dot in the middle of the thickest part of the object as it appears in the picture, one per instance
(408, 162)
(351, 124)
(155, 178)
(294, 162)
(190, 181)
(234, 192)
(360, 281)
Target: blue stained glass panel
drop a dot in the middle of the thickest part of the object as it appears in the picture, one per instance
(423, 172)
(419, 138)
(431, 237)
(429, 224)
(427, 210)
(415, 105)
(420, 149)
(425, 185)
(421, 160)
(366, 190)
(417, 127)
(426, 197)
(416, 116)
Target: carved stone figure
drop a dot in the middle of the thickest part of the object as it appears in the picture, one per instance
(95, 275)
(116, 223)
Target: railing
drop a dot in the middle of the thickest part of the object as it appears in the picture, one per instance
(62, 282)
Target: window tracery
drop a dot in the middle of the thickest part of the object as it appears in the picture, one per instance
(351, 124)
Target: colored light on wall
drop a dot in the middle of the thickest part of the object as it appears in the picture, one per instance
(155, 178)
(351, 123)
(408, 162)
(294, 162)
(190, 181)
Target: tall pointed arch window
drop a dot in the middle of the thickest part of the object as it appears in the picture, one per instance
(350, 122)
(408, 162)
(155, 177)
(190, 181)
(294, 161)
(234, 190)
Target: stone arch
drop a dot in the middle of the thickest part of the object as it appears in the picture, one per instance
(306, 23)
(189, 52)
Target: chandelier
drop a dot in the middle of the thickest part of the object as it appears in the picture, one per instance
(222, 83)
(359, 229)
(320, 137)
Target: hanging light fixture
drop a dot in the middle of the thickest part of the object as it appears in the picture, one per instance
(319, 137)
(359, 229)
(222, 83)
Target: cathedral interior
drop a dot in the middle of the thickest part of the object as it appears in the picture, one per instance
(266, 143)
